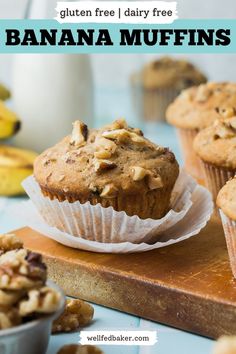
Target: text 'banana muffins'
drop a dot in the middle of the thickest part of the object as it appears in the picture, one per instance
(114, 166)
(195, 109)
(226, 201)
(216, 147)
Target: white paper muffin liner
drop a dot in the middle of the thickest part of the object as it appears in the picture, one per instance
(216, 177)
(192, 163)
(191, 224)
(229, 227)
(94, 222)
(93, 227)
(151, 104)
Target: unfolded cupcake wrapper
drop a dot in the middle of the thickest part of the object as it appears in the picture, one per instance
(194, 220)
(229, 227)
(99, 229)
(216, 177)
(192, 162)
(152, 103)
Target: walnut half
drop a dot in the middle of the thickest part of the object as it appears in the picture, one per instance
(109, 191)
(203, 93)
(123, 135)
(105, 148)
(76, 313)
(10, 242)
(139, 173)
(79, 134)
(43, 300)
(101, 165)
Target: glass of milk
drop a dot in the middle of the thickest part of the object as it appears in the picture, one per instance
(50, 91)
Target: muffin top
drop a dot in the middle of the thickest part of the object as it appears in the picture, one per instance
(104, 162)
(226, 199)
(170, 73)
(196, 107)
(217, 143)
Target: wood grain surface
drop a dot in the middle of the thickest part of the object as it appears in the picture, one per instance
(188, 285)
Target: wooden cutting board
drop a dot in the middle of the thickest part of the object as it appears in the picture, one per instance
(188, 285)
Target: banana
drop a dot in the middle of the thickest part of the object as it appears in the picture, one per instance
(4, 93)
(15, 165)
(9, 122)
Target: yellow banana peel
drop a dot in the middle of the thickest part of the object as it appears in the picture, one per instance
(9, 122)
(15, 165)
(4, 93)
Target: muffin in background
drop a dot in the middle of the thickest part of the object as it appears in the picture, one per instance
(158, 84)
(226, 201)
(113, 166)
(216, 148)
(225, 345)
(195, 109)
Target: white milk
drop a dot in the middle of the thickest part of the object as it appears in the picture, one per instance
(50, 91)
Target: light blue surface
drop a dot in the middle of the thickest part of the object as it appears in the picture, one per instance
(170, 341)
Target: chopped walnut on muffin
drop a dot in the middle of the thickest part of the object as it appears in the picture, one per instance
(77, 313)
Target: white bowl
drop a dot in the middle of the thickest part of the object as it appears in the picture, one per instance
(33, 336)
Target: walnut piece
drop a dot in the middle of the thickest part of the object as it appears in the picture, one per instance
(155, 182)
(79, 349)
(233, 123)
(136, 138)
(21, 269)
(9, 317)
(101, 165)
(77, 313)
(203, 93)
(104, 148)
(43, 300)
(224, 129)
(228, 113)
(118, 124)
(123, 135)
(109, 191)
(225, 345)
(79, 134)
(139, 173)
(10, 297)
(186, 95)
(10, 242)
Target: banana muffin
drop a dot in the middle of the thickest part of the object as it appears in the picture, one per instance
(114, 166)
(161, 81)
(216, 148)
(226, 201)
(195, 109)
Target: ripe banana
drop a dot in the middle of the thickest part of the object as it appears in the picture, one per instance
(4, 93)
(15, 165)
(9, 122)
